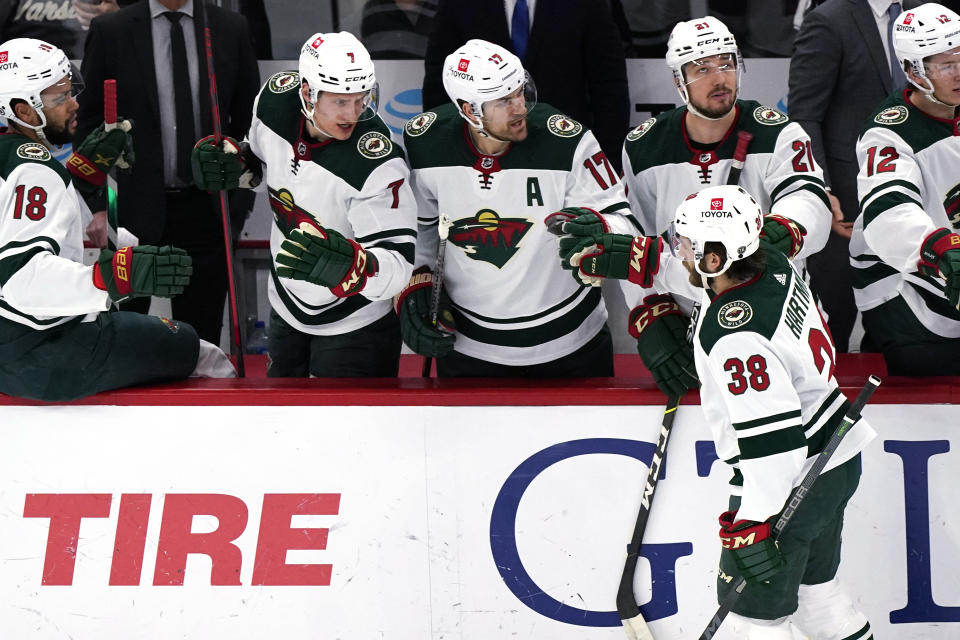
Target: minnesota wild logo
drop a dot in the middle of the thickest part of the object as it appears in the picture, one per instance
(894, 115)
(766, 115)
(284, 81)
(418, 125)
(286, 213)
(488, 237)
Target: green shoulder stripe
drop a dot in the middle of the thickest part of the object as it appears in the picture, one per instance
(16, 149)
(885, 202)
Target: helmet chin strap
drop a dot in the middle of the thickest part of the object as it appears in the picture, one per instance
(478, 127)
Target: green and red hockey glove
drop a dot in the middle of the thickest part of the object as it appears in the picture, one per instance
(142, 271)
(326, 258)
(98, 153)
(783, 234)
(231, 166)
(618, 256)
(940, 257)
(413, 308)
(578, 229)
(755, 552)
(660, 329)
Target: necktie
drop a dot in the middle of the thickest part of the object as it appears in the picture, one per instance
(896, 69)
(183, 97)
(520, 28)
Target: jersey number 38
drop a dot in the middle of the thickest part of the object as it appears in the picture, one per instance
(752, 372)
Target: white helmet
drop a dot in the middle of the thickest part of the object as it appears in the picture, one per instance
(695, 40)
(480, 71)
(27, 68)
(923, 32)
(338, 63)
(725, 214)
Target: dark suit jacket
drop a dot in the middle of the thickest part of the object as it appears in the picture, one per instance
(838, 75)
(574, 55)
(120, 46)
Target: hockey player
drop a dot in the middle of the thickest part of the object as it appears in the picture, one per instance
(766, 360)
(343, 232)
(905, 248)
(495, 164)
(683, 150)
(56, 340)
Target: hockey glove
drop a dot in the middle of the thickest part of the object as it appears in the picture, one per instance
(326, 258)
(755, 553)
(783, 234)
(940, 257)
(232, 166)
(578, 229)
(98, 153)
(619, 256)
(661, 332)
(413, 308)
(132, 272)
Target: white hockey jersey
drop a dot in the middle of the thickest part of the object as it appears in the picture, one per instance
(43, 282)
(512, 302)
(662, 167)
(765, 360)
(909, 186)
(359, 187)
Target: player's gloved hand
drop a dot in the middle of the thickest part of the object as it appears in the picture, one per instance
(325, 257)
(619, 256)
(783, 234)
(142, 271)
(413, 308)
(585, 226)
(661, 332)
(940, 257)
(230, 166)
(98, 153)
(754, 551)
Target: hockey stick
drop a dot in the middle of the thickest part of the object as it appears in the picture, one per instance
(110, 123)
(443, 229)
(796, 498)
(739, 156)
(630, 616)
(235, 340)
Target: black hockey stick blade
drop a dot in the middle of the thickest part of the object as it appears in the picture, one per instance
(849, 419)
(633, 622)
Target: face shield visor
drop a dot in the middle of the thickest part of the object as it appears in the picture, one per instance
(943, 67)
(521, 101)
(70, 86)
(707, 67)
(348, 108)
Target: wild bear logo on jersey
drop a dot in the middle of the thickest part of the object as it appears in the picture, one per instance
(734, 314)
(893, 115)
(287, 214)
(374, 144)
(33, 151)
(768, 116)
(488, 237)
(283, 81)
(641, 129)
(563, 126)
(951, 204)
(418, 125)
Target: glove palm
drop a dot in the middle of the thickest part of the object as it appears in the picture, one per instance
(142, 271)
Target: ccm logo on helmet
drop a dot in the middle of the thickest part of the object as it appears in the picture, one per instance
(710, 41)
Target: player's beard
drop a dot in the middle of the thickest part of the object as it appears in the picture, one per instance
(718, 112)
(58, 135)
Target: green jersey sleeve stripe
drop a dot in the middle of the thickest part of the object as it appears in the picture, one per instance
(759, 422)
(14, 262)
(45, 241)
(778, 190)
(768, 444)
(889, 185)
(33, 319)
(861, 278)
(816, 190)
(389, 233)
(613, 208)
(884, 203)
(406, 249)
